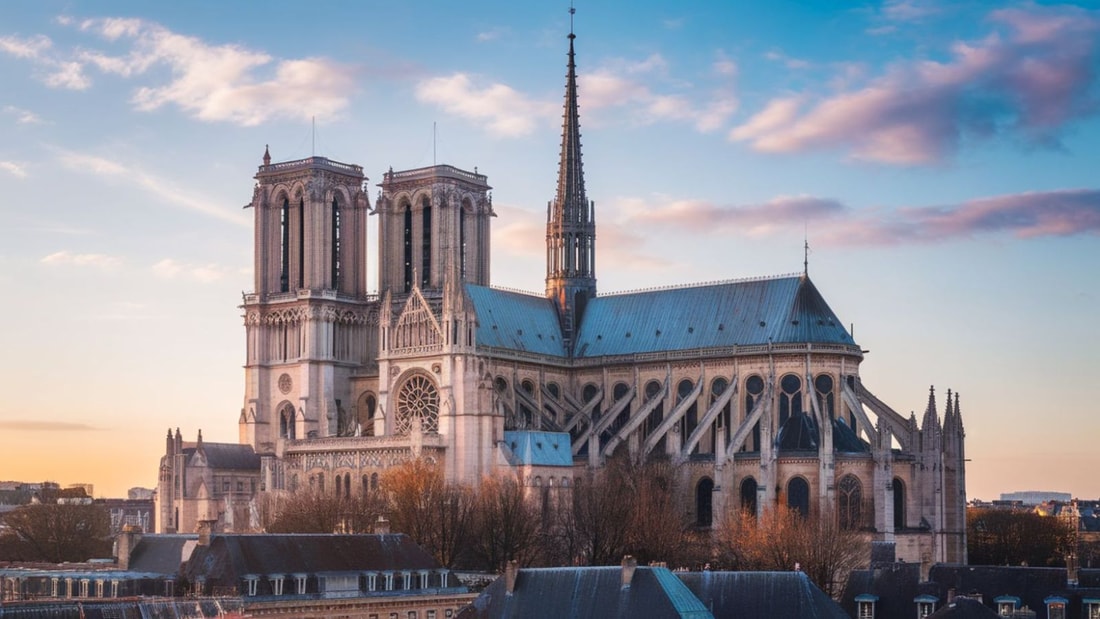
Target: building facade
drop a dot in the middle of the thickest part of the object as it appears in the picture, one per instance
(751, 386)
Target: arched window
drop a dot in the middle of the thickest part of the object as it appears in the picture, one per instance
(718, 387)
(500, 384)
(287, 422)
(554, 389)
(407, 241)
(335, 244)
(824, 385)
(374, 481)
(790, 400)
(691, 416)
(798, 496)
(462, 215)
(748, 496)
(425, 243)
(366, 415)
(347, 485)
(899, 504)
(704, 506)
(754, 390)
(653, 391)
(618, 392)
(284, 246)
(417, 402)
(849, 503)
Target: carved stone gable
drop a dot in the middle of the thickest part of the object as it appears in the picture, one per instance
(417, 329)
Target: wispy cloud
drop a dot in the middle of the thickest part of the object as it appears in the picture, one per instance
(788, 61)
(203, 273)
(35, 425)
(491, 35)
(909, 10)
(22, 117)
(1029, 78)
(1023, 215)
(503, 110)
(57, 71)
(161, 188)
(14, 168)
(68, 258)
(637, 90)
(227, 83)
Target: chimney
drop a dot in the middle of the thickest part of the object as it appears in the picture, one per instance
(510, 573)
(206, 527)
(629, 565)
(1071, 570)
(127, 540)
(381, 526)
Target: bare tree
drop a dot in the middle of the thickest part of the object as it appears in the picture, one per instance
(506, 526)
(58, 533)
(436, 514)
(782, 539)
(313, 511)
(595, 530)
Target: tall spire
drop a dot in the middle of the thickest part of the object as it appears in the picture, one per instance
(570, 218)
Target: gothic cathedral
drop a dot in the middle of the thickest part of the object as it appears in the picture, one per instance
(752, 386)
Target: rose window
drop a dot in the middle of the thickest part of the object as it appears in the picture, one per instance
(417, 402)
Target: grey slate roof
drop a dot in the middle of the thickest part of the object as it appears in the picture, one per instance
(230, 456)
(762, 595)
(161, 554)
(516, 321)
(539, 448)
(230, 557)
(780, 310)
(963, 608)
(588, 592)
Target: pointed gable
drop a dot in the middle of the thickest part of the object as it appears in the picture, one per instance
(417, 328)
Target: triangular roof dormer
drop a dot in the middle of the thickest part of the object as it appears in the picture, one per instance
(417, 329)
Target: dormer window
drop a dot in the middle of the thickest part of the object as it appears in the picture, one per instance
(300, 580)
(865, 606)
(1006, 604)
(1091, 606)
(1056, 607)
(276, 581)
(926, 605)
(251, 582)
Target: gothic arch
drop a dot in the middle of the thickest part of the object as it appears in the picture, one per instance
(366, 414)
(748, 495)
(288, 420)
(704, 502)
(898, 487)
(849, 502)
(798, 496)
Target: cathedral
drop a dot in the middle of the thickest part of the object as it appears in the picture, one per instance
(751, 386)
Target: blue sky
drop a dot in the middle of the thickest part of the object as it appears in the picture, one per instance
(939, 157)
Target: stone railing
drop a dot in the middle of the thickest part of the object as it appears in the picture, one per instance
(252, 298)
(438, 171)
(312, 162)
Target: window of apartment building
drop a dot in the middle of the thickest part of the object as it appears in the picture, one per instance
(1091, 608)
(276, 583)
(1056, 607)
(250, 584)
(300, 579)
(865, 606)
(1006, 604)
(926, 605)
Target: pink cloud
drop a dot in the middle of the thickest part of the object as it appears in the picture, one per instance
(1023, 215)
(1029, 78)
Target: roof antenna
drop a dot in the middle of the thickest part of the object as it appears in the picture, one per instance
(433, 142)
(313, 137)
(806, 254)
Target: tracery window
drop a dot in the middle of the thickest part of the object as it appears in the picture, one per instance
(754, 390)
(824, 385)
(407, 240)
(652, 391)
(850, 502)
(899, 504)
(287, 422)
(790, 400)
(417, 402)
(335, 244)
(284, 246)
(425, 243)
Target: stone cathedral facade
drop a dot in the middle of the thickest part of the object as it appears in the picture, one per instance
(752, 387)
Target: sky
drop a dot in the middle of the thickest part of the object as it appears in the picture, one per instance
(940, 159)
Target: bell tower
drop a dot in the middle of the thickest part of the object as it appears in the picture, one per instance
(570, 223)
(308, 321)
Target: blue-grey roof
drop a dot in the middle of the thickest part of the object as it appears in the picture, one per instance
(780, 310)
(750, 595)
(516, 321)
(588, 592)
(539, 448)
(229, 456)
(229, 557)
(160, 554)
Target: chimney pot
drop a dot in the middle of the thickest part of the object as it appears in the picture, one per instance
(510, 574)
(629, 565)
